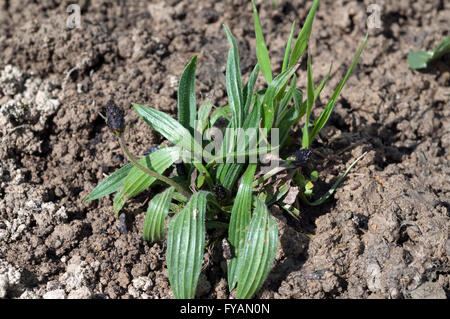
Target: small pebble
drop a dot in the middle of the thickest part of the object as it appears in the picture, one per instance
(55, 294)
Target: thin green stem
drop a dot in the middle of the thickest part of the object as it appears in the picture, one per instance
(149, 172)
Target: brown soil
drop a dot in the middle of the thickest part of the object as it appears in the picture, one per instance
(384, 235)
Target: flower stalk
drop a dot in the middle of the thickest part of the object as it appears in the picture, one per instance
(149, 172)
(116, 121)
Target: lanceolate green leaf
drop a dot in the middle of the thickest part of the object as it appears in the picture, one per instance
(310, 90)
(279, 193)
(268, 103)
(187, 108)
(317, 92)
(261, 49)
(203, 116)
(229, 170)
(169, 128)
(284, 103)
(240, 219)
(110, 184)
(137, 181)
(260, 247)
(157, 211)
(253, 119)
(302, 40)
(228, 173)
(323, 118)
(298, 98)
(185, 246)
(287, 52)
(292, 115)
(234, 82)
(248, 89)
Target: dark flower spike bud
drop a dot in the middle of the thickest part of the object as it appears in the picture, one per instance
(302, 157)
(220, 192)
(115, 117)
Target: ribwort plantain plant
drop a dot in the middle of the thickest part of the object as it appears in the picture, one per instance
(220, 185)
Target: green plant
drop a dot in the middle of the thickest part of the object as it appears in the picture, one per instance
(421, 59)
(223, 189)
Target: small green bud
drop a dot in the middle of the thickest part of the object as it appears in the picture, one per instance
(314, 176)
